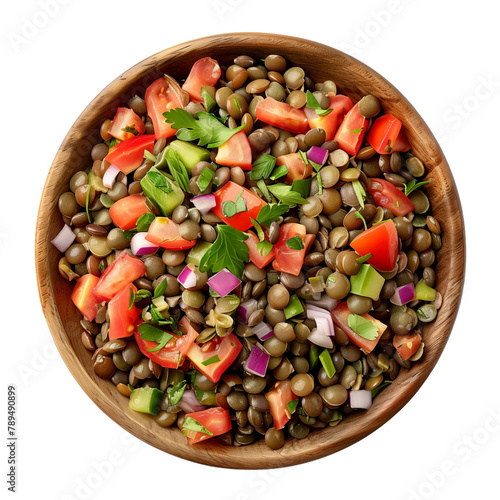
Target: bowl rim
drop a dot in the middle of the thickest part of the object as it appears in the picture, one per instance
(256, 456)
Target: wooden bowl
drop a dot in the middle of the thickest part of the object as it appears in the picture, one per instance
(320, 62)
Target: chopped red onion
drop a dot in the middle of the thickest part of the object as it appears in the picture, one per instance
(64, 238)
(204, 203)
(245, 310)
(318, 338)
(314, 312)
(187, 278)
(141, 246)
(318, 155)
(257, 361)
(223, 282)
(360, 399)
(403, 294)
(263, 331)
(324, 302)
(189, 402)
(109, 176)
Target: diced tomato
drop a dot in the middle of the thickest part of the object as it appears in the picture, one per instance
(123, 270)
(83, 296)
(389, 196)
(330, 123)
(173, 354)
(235, 152)
(129, 155)
(282, 115)
(216, 420)
(125, 212)
(383, 134)
(340, 317)
(401, 143)
(297, 169)
(407, 344)
(205, 71)
(126, 125)
(217, 354)
(162, 95)
(382, 242)
(254, 254)
(279, 397)
(287, 259)
(241, 220)
(308, 243)
(121, 318)
(164, 232)
(351, 131)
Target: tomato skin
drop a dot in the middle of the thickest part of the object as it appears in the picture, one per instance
(129, 155)
(282, 115)
(348, 140)
(401, 143)
(125, 212)
(340, 317)
(279, 397)
(235, 152)
(382, 242)
(226, 348)
(123, 270)
(168, 356)
(297, 169)
(216, 420)
(83, 296)
(287, 259)
(389, 196)
(229, 192)
(164, 232)
(330, 123)
(121, 318)
(254, 254)
(205, 71)
(125, 117)
(407, 344)
(384, 129)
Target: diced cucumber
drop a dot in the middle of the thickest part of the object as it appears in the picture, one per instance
(293, 308)
(166, 202)
(424, 292)
(146, 400)
(190, 154)
(367, 283)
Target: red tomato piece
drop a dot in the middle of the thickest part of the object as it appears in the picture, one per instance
(340, 317)
(401, 143)
(330, 123)
(83, 296)
(287, 259)
(129, 155)
(351, 131)
(382, 242)
(162, 95)
(389, 196)
(383, 134)
(125, 212)
(235, 152)
(254, 254)
(279, 397)
(282, 115)
(123, 270)
(173, 354)
(309, 240)
(121, 318)
(407, 344)
(220, 352)
(216, 420)
(205, 71)
(126, 125)
(241, 220)
(164, 232)
(297, 169)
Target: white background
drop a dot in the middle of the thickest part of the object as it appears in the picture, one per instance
(443, 56)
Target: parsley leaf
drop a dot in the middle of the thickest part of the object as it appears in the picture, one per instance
(278, 172)
(295, 243)
(360, 192)
(160, 289)
(128, 235)
(160, 181)
(286, 195)
(258, 228)
(359, 216)
(130, 129)
(153, 334)
(204, 179)
(211, 361)
(178, 169)
(262, 167)
(357, 131)
(412, 185)
(264, 247)
(271, 213)
(111, 143)
(131, 299)
(312, 102)
(207, 129)
(362, 327)
(263, 189)
(175, 393)
(90, 217)
(190, 424)
(149, 156)
(292, 405)
(144, 221)
(231, 208)
(320, 183)
(228, 251)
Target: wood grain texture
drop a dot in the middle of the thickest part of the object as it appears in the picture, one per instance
(320, 62)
